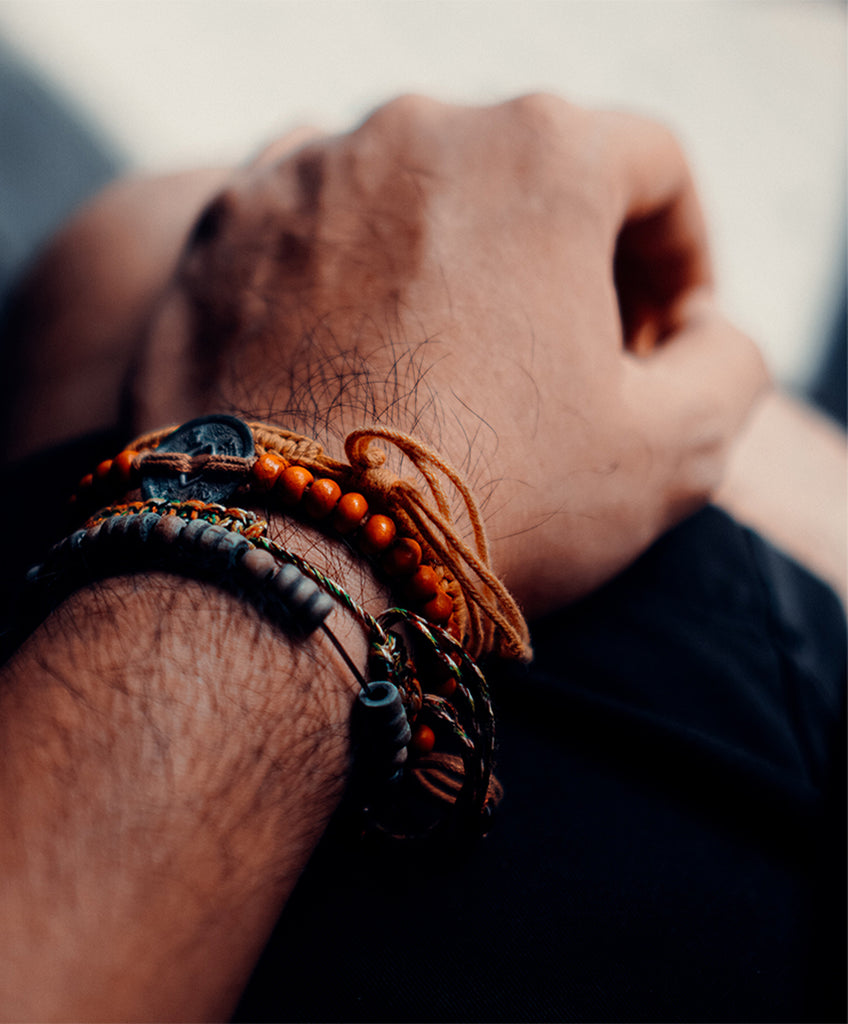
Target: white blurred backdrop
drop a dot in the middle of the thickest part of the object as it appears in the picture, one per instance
(755, 88)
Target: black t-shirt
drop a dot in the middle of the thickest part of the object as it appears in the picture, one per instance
(670, 844)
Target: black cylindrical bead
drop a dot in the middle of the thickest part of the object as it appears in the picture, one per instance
(316, 609)
(114, 547)
(76, 541)
(300, 596)
(34, 575)
(75, 552)
(139, 527)
(110, 526)
(93, 547)
(167, 531)
(382, 725)
(297, 595)
(194, 530)
(288, 581)
(207, 547)
(257, 565)
(232, 547)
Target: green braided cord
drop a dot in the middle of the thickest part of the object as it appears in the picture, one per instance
(437, 638)
(237, 520)
(478, 749)
(437, 706)
(385, 655)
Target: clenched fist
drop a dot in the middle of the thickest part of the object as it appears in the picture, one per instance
(526, 287)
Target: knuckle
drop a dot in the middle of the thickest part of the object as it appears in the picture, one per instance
(544, 111)
(400, 112)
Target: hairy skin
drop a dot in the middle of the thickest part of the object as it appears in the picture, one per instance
(181, 758)
(453, 272)
(526, 286)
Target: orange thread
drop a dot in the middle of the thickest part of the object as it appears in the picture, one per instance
(488, 617)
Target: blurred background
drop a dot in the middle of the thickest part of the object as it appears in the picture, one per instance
(756, 90)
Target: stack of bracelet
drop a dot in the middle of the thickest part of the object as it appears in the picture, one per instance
(423, 727)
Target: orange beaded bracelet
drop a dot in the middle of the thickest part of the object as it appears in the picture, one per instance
(375, 533)
(319, 499)
(410, 538)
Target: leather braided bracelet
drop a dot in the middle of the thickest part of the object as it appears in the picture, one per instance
(423, 727)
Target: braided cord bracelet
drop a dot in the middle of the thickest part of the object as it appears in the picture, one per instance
(408, 533)
(401, 784)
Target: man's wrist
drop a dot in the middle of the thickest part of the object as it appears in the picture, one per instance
(192, 753)
(192, 659)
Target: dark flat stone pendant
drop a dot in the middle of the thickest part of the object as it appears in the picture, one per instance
(206, 435)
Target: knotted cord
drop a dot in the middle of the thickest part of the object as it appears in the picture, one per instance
(488, 617)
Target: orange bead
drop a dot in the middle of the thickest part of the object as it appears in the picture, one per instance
(291, 484)
(404, 558)
(438, 609)
(102, 471)
(378, 534)
(423, 585)
(350, 511)
(122, 466)
(322, 497)
(447, 688)
(86, 482)
(423, 739)
(122, 473)
(267, 469)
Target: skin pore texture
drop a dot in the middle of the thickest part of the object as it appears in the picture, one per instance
(525, 287)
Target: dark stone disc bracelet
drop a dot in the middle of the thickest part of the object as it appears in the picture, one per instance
(193, 548)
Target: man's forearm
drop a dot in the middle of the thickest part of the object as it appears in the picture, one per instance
(169, 760)
(787, 478)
